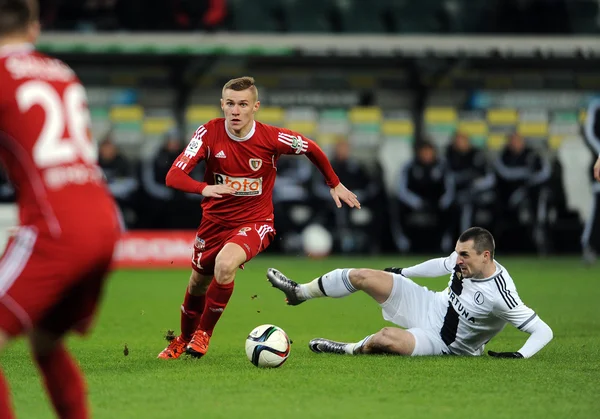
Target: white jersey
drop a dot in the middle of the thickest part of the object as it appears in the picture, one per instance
(472, 311)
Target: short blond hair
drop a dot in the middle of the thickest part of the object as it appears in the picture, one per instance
(241, 83)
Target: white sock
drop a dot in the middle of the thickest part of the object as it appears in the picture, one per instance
(334, 284)
(354, 348)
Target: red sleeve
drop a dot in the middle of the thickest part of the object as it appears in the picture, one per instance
(178, 176)
(290, 142)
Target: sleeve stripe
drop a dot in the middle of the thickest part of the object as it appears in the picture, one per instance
(533, 316)
(284, 135)
(510, 297)
(199, 133)
(181, 165)
(291, 138)
(286, 142)
(289, 142)
(504, 292)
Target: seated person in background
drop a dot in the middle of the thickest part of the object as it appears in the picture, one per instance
(424, 217)
(521, 173)
(166, 208)
(473, 178)
(293, 202)
(120, 177)
(354, 232)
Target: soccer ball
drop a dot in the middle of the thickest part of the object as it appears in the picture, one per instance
(267, 346)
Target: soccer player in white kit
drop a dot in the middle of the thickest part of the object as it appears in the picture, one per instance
(480, 300)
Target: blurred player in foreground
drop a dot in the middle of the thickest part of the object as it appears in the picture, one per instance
(237, 220)
(480, 300)
(53, 269)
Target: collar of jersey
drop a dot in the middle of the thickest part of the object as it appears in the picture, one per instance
(245, 137)
(11, 49)
(498, 272)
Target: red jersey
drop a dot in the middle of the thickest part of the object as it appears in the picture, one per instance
(46, 146)
(247, 164)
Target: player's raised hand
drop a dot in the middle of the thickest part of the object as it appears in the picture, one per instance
(217, 191)
(340, 192)
(597, 169)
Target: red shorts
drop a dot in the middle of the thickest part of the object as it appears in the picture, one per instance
(211, 237)
(50, 285)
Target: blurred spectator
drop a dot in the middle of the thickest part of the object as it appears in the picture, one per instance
(120, 176)
(474, 180)
(521, 175)
(590, 240)
(166, 207)
(293, 202)
(354, 230)
(423, 216)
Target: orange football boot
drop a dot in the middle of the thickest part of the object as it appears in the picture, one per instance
(198, 346)
(174, 350)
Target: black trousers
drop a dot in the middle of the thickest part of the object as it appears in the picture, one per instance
(591, 232)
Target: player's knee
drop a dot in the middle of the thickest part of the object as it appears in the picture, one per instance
(385, 337)
(225, 267)
(360, 278)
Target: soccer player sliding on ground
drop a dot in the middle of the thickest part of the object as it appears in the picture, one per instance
(480, 300)
(53, 269)
(237, 210)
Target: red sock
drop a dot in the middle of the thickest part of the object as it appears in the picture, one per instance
(5, 410)
(64, 383)
(191, 311)
(217, 297)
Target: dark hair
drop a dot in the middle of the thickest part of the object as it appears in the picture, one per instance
(16, 15)
(482, 239)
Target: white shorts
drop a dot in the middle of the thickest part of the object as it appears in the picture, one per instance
(414, 308)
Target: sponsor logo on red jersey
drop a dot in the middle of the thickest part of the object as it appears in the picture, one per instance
(244, 186)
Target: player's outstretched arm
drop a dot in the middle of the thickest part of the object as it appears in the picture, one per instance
(541, 334)
(597, 169)
(341, 193)
(431, 268)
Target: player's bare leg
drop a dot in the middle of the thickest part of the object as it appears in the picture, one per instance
(5, 404)
(390, 340)
(63, 380)
(191, 311)
(217, 296)
(337, 283)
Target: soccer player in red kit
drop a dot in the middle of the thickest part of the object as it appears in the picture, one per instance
(237, 222)
(53, 268)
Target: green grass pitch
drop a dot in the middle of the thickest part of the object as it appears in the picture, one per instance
(561, 381)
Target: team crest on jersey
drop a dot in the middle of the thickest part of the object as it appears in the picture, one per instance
(478, 298)
(200, 244)
(244, 231)
(255, 164)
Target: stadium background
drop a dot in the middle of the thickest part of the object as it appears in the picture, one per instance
(382, 76)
